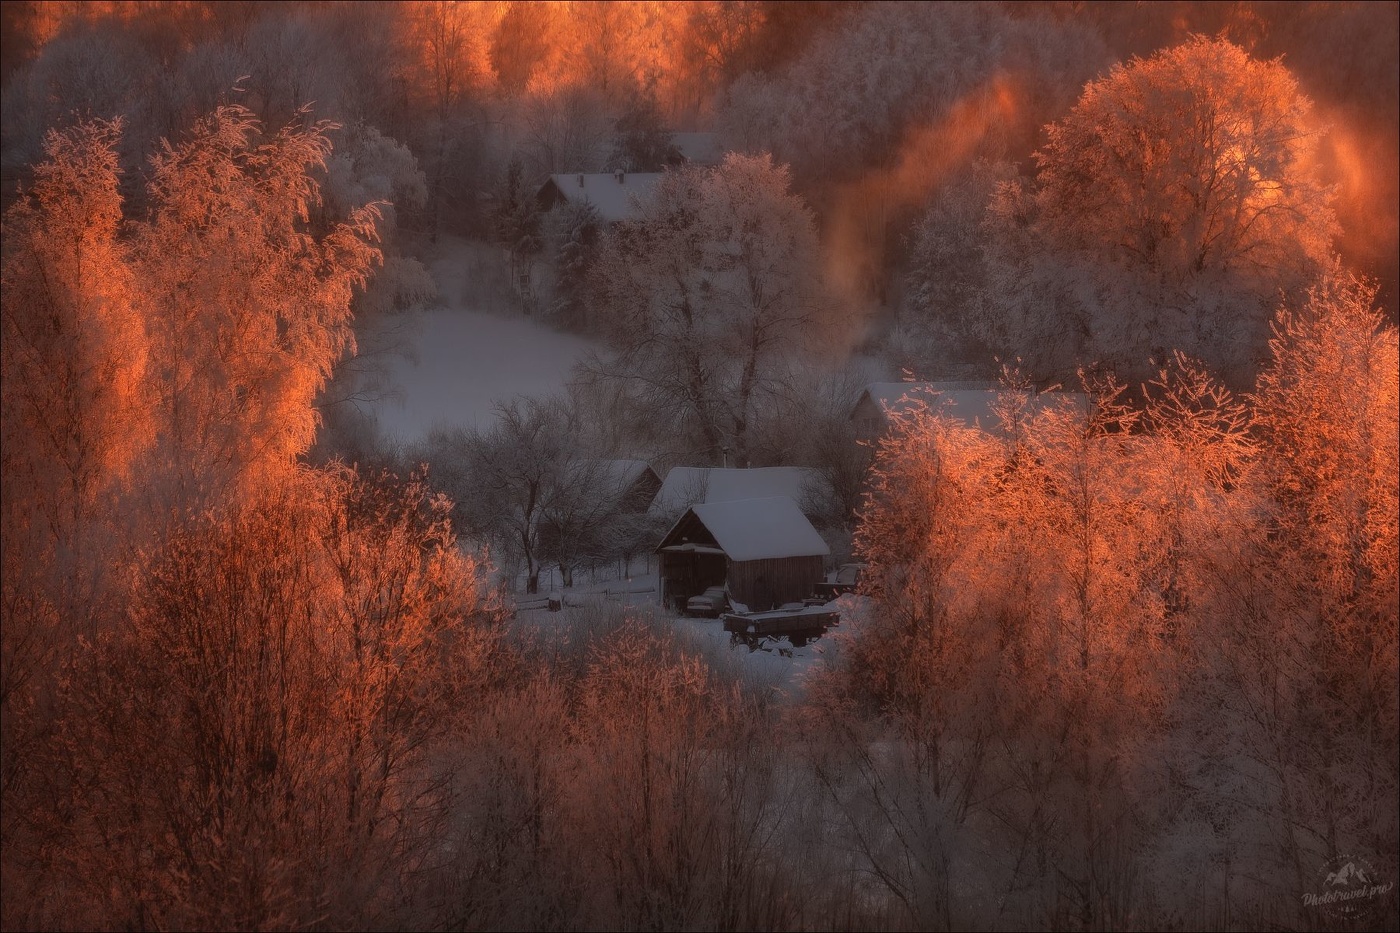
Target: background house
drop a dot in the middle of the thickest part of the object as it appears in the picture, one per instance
(631, 484)
(974, 403)
(598, 512)
(686, 486)
(764, 551)
(698, 148)
(614, 195)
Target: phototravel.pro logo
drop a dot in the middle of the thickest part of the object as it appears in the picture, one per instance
(1347, 888)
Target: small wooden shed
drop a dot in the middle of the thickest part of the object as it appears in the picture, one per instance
(764, 551)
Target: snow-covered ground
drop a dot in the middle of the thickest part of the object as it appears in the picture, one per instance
(774, 663)
(470, 353)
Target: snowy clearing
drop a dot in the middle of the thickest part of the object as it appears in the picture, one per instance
(470, 354)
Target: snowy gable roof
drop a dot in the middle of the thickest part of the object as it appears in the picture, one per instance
(761, 529)
(622, 474)
(685, 486)
(899, 396)
(971, 406)
(973, 403)
(615, 195)
(699, 148)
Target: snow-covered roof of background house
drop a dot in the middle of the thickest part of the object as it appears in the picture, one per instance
(685, 486)
(900, 396)
(622, 474)
(615, 195)
(699, 148)
(973, 403)
(761, 529)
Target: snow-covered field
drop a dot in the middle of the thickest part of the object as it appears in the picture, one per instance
(470, 353)
(466, 362)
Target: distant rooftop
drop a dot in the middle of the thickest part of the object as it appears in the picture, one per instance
(973, 403)
(622, 474)
(891, 396)
(699, 148)
(615, 195)
(686, 486)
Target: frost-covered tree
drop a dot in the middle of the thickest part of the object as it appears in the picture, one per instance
(517, 229)
(642, 142)
(367, 167)
(74, 422)
(1327, 405)
(565, 129)
(614, 46)
(525, 484)
(706, 294)
(232, 618)
(946, 282)
(579, 516)
(1173, 205)
(677, 785)
(449, 70)
(75, 348)
(1028, 586)
(1126, 640)
(262, 740)
(878, 70)
(717, 44)
(84, 74)
(247, 311)
(293, 62)
(574, 231)
(521, 44)
(1194, 160)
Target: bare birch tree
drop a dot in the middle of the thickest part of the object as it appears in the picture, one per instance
(707, 293)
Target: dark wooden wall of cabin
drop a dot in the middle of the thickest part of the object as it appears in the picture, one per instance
(767, 584)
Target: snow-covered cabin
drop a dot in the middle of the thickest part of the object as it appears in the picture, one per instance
(974, 403)
(614, 195)
(685, 486)
(764, 551)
